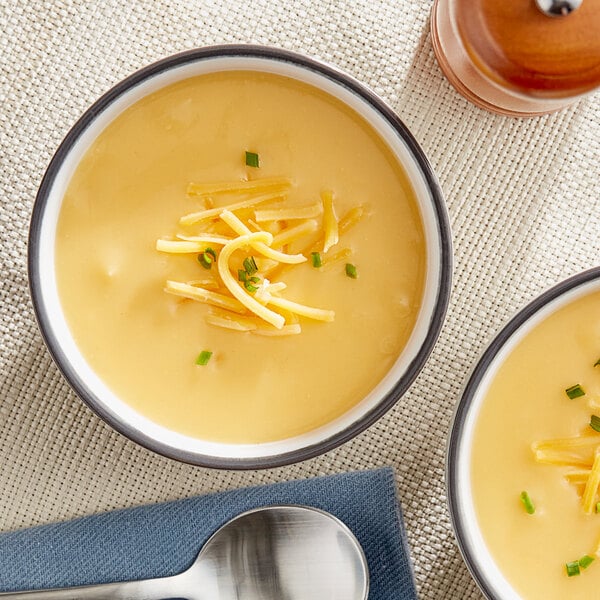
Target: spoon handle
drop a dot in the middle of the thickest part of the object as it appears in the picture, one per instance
(149, 589)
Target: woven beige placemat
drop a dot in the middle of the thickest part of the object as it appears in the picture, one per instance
(523, 196)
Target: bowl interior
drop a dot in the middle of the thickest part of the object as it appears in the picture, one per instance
(460, 492)
(44, 285)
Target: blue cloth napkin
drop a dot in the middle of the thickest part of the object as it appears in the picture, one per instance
(163, 539)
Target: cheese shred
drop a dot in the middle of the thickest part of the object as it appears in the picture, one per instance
(229, 187)
(591, 486)
(203, 295)
(582, 455)
(330, 221)
(211, 213)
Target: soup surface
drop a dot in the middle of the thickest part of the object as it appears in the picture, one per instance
(531, 436)
(130, 190)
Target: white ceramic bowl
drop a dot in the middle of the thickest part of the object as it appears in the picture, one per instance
(471, 542)
(42, 255)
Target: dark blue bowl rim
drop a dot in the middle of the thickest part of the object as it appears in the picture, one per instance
(443, 226)
(465, 403)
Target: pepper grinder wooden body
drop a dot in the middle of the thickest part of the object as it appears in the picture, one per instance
(508, 57)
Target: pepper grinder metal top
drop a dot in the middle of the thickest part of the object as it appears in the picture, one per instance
(558, 8)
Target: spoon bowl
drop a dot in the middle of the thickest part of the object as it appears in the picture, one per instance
(270, 553)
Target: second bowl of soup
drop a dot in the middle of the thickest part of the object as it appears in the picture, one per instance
(239, 257)
(524, 452)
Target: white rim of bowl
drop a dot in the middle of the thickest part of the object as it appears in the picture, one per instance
(81, 376)
(458, 481)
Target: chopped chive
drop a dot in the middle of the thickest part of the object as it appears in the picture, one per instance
(595, 423)
(585, 561)
(252, 159)
(254, 279)
(597, 363)
(242, 275)
(351, 271)
(249, 286)
(527, 503)
(203, 358)
(573, 568)
(575, 391)
(210, 251)
(598, 507)
(250, 265)
(205, 260)
(316, 259)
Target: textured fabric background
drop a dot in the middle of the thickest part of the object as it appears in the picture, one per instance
(523, 197)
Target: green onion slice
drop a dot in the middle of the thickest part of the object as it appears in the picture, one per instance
(316, 259)
(252, 159)
(595, 423)
(210, 251)
(203, 358)
(597, 363)
(585, 561)
(351, 271)
(575, 391)
(249, 286)
(573, 568)
(250, 265)
(205, 260)
(242, 275)
(527, 503)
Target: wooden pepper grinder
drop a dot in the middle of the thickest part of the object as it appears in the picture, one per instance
(519, 57)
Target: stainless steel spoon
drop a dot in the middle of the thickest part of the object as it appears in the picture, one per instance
(271, 553)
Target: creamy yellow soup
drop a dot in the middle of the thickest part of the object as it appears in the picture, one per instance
(526, 408)
(130, 190)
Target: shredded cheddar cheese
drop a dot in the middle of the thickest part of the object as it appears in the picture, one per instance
(582, 454)
(228, 187)
(347, 222)
(300, 309)
(203, 295)
(207, 282)
(291, 234)
(288, 214)
(336, 258)
(291, 329)
(248, 249)
(330, 222)
(578, 476)
(240, 324)
(236, 224)
(212, 213)
(235, 288)
(587, 441)
(591, 486)
(351, 218)
(189, 246)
